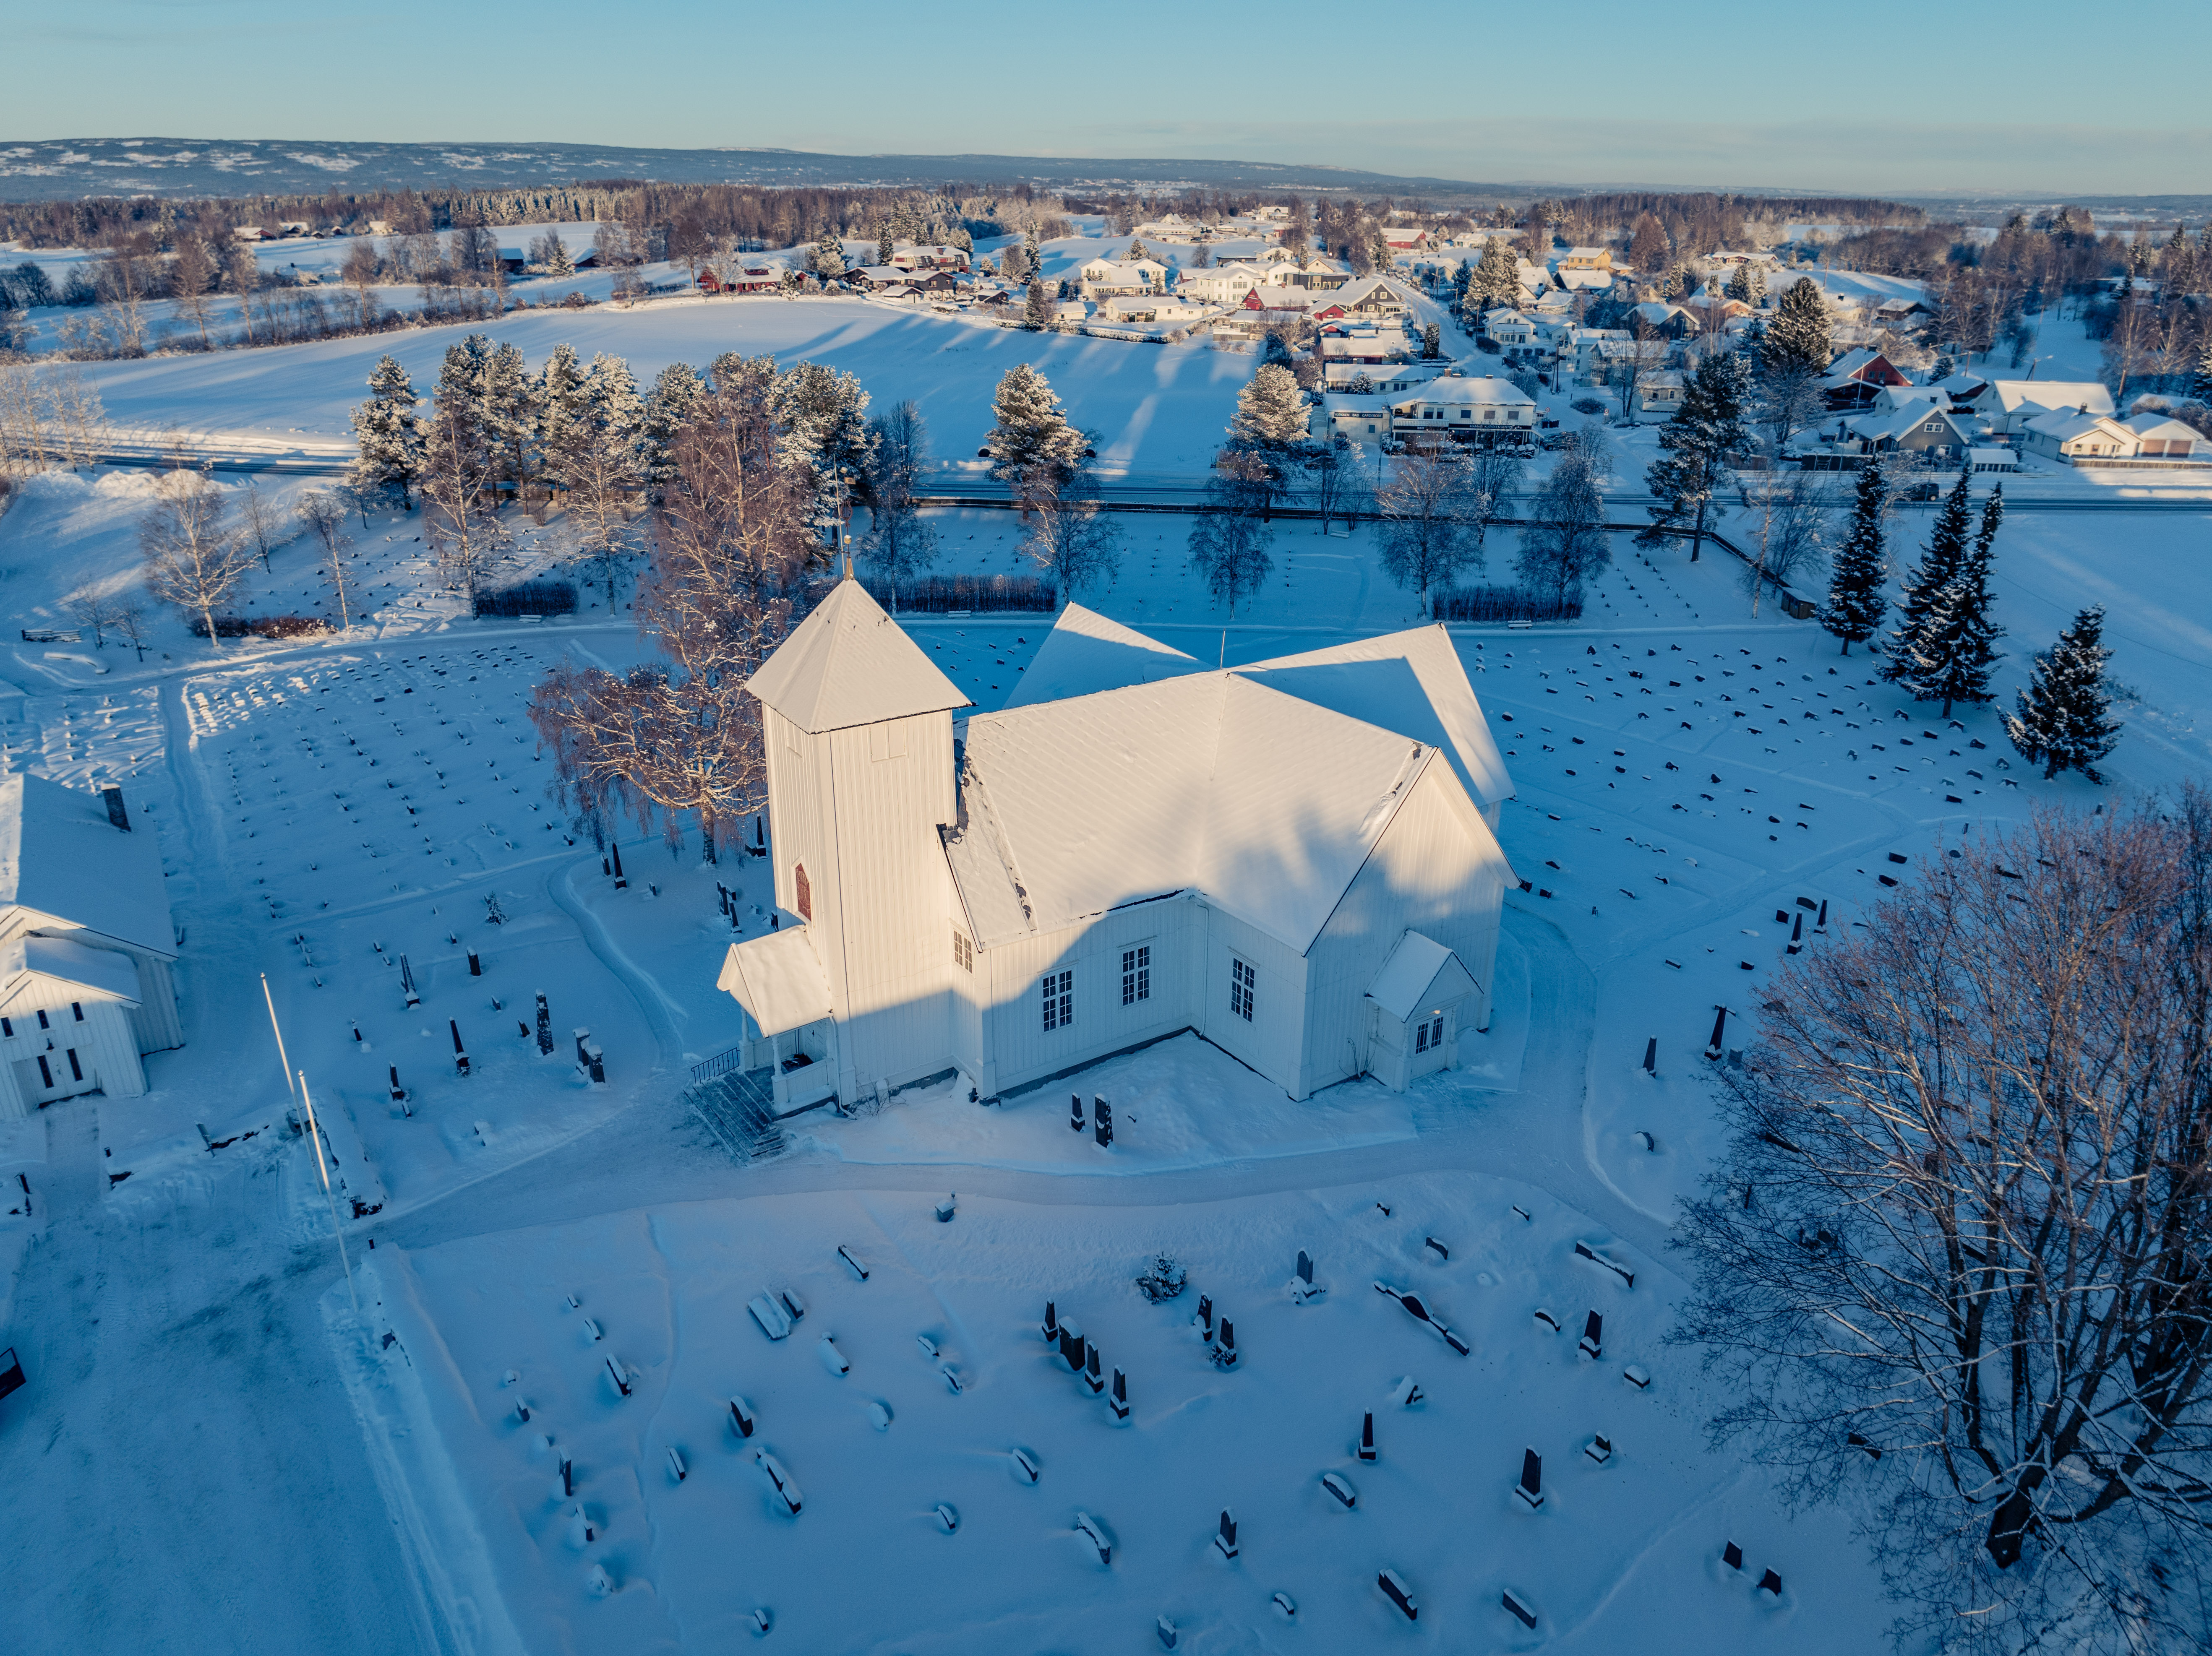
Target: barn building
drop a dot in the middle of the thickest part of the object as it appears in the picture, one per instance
(86, 947)
(1297, 860)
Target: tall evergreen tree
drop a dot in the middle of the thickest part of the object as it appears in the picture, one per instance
(509, 411)
(390, 456)
(557, 262)
(1495, 283)
(1939, 567)
(1271, 411)
(562, 400)
(1800, 335)
(828, 257)
(2064, 719)
(885, 248)
(2201, 387)
(1957, 643)
(1696, 444)
(675, 394)
(1855, 602)
(1033, 448)
(1035, 316)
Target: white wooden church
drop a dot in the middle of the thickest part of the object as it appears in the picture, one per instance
(1297, 860)
(86, 947)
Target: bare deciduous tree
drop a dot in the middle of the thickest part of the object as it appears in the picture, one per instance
(1229, 540)
(259, 521)
(194, 558)
(322, 515)
(1797, 513)
(460, 484)
(1427, 536)
(731, 545)
(1566, 541)
(128, 618)
(192, 273)
(1965, 1225)
(1072, 540)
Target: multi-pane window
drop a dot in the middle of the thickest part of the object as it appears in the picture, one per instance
(963, 952)
(1429, 1032)
(1242, 978)
(1059, 1000)
(1136, 974)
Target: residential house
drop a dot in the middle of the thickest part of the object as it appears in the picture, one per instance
(1667, 321)
(87, 946)
(1854, 378)
(1660, 392)
(748, 275)
(2077, 439)
(2009, 405)
(1370, 297)
(1921, 428)
(1381, 377)
(1466, 408)
(1135, 846)
(1365, 342)
(1153, 307)
(907, 257)
(1360, 417)
(1103, 278)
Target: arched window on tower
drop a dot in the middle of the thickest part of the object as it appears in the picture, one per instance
(803, 893)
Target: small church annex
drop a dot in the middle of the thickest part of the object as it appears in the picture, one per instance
(1296, 858)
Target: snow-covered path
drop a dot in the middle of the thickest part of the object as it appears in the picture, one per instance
(185, 1474)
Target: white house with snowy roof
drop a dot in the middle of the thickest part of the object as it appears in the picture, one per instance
(1134, 846)
(86, 947)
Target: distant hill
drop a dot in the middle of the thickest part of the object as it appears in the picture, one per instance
(49, 169)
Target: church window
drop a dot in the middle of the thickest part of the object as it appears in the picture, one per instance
(963, 952)
(1059, 1000)
(1429, 1033)
(1136, 974)
(803, 893)
(1242, 978)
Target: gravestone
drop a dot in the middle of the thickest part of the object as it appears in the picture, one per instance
(1531, 1489)
(1593, 1334)
(1394, 1588)
(1225, 1538)
(1367, 1451)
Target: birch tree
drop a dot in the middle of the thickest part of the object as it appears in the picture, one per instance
(194, 556)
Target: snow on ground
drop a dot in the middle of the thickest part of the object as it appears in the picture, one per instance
(1159, 408)
(316, 800)
(1615, 1551)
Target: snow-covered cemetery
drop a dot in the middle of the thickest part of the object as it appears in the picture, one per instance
(885, 911)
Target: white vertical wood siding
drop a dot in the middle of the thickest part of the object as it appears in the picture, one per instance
(1269, 1043)
(105, 1044)
(1435, 871)
(890, 788)
(1017, 1046)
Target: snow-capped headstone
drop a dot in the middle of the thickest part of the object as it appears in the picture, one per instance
(948, 1516)
(1075, 1112)
(1224, 1537)
(1285, 1607)
(1339, 1488)
(1102, 1123)
(1593, 1341)
(853, 1261)
(770, 1315)
(677, 1470)
(618, 1373)
(1119, 1402)
(832, 1359)
(1531, 1489)
(1599, 1448)
(743, 1421)
(947, 1208)
(1023, 1466)
(1091, 1531)
(1522, 1611)
(1405, 1393)
(1051, 1328)
(1394, 1588)
(1367, 1451)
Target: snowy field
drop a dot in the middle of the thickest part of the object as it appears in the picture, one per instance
(205, 1403)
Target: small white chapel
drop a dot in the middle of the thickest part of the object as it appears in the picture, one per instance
(1297, 860)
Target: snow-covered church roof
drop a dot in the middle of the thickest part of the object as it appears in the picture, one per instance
(60, 856)
(1262, 788)
(1411, 683)
(849, 664)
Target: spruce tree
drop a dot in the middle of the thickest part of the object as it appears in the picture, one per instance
(2200, 388)
(1034, 450)
(1939, 567)
(1706, 429)
(828, 255)
(1944, 368)
(1957, 644)
(1495, 283)
(1137, 251)
(1271, 411)
(390, 435)
(884, 247)
(1035, 315)
(557, 262)
(675, 394)
(1800, 335)
(510, 411)
(1855, 604)
(2063, 721)
(562, 400)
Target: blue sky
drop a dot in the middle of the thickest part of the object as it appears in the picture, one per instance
(1873, 95)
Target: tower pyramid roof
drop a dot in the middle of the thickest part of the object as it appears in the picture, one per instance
(850, 664)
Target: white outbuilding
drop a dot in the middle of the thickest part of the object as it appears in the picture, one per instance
(86, 947)
(1136, 846)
